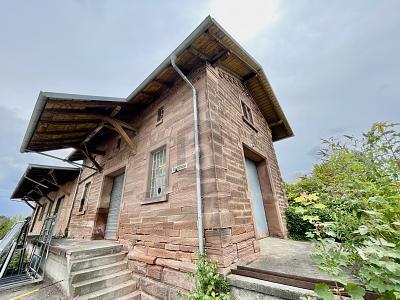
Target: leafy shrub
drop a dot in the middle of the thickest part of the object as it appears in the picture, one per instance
(357, 187)
(210, 284)
(297, 226)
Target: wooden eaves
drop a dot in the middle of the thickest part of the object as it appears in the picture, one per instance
(40, 180)
(210, 43)
(62, 121)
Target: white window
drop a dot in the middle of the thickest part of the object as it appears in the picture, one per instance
(158, 173)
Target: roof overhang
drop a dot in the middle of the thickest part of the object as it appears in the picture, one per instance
(62, 121)
(39, 180)
(210, 42)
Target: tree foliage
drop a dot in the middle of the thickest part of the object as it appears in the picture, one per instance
(352, 201)
(7, 223)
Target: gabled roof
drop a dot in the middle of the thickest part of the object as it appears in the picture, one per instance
(46, 178)
(68, 121)
(210, 42)
(65, 120)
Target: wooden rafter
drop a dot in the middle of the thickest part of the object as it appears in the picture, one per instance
(231, 52)
(115, 111)
(167, 84)
(93, 133)
(197, 53)
(275, 124)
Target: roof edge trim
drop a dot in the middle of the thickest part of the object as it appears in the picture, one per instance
(41, 103)
(201, 28)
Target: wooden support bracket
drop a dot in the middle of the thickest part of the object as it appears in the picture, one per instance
(87, 153)
(123, 124)
(30, 205)
(43, 194)
(55, 182)
(118, 127)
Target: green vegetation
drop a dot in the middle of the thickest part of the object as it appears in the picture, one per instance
(350, 207)
(6, 224)
(210, 284)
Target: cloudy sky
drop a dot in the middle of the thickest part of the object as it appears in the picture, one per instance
(334, 65)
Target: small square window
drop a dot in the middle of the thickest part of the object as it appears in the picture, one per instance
(247, 114)
(158, 173)
(84, 197)
(160, 115)
(118, 146)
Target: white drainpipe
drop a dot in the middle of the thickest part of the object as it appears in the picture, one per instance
(197, 156)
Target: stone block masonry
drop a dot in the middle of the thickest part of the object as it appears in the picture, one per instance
(161, 237)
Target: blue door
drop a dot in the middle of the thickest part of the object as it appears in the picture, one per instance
(257, 199)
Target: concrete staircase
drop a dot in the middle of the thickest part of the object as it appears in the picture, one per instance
(102, 273)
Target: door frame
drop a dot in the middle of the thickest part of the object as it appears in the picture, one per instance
(271, 204)
(108, 176)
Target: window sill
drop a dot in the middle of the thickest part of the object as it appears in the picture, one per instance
(159, 122)
(250, 124)
(159, 199)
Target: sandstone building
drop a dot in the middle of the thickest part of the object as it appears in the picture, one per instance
(137, 184)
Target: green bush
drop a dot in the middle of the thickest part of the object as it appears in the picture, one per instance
(297, 227)
(210, 284)
(352, 199)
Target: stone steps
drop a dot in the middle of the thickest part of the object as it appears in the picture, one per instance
(102, 273)
(98, 271)
(124, 291)
(98, 283)
(95, 252)
(91, 262)
(136, 295)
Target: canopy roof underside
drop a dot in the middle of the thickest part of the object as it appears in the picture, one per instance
(39, 180)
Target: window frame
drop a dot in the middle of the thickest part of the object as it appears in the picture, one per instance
(247, 115)
(43, 208)
(164, 196)
(84, 198)
(58, 205)
(160, 112)
(35, 216)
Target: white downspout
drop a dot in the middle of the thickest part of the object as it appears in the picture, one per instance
(197, 156)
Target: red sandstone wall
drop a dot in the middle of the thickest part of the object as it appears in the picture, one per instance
(230, 235)
(162, 237)
(61, 225)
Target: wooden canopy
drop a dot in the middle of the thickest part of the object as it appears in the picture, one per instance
(39, 180)
(210, 42)
(76, 121)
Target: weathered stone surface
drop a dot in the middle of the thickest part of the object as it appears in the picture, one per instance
(179, 279)
(154, 271)
(154, 288)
